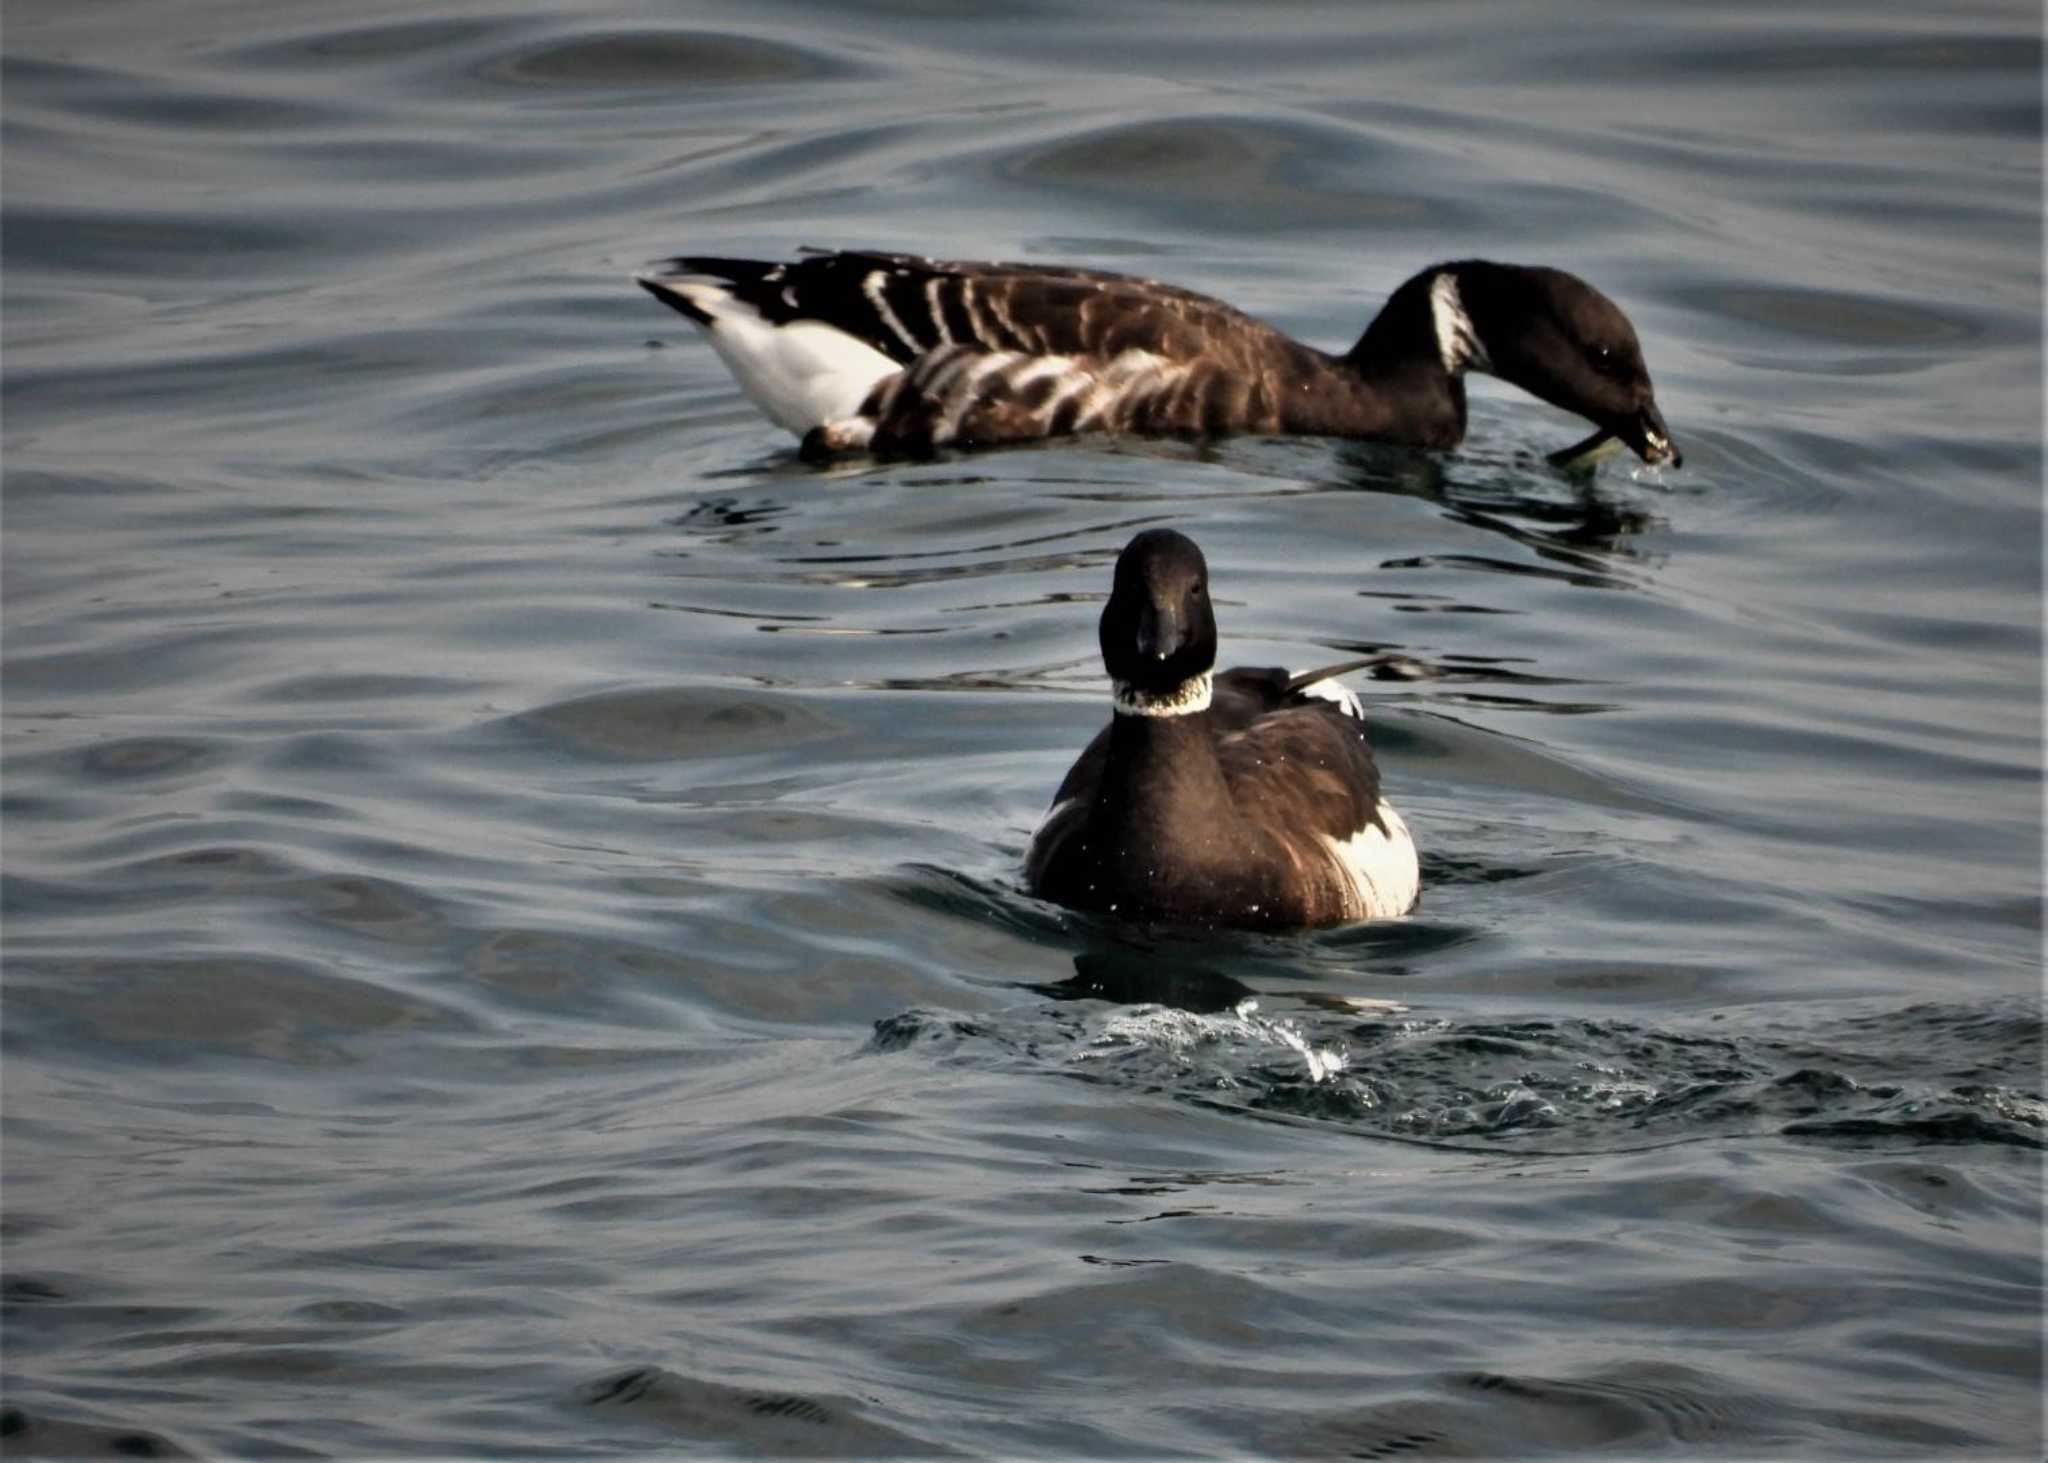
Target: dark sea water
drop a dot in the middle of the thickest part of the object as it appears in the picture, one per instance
(513, 941)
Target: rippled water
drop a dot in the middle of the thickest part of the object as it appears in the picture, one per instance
(513, 940)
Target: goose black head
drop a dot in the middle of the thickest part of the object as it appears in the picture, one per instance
(1556, 337)
(1158, 632)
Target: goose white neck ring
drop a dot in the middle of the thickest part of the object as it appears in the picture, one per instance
(1189, 697)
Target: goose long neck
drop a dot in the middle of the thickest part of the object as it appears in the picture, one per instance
(1424, 324)
(1399, 381)
(1166, 769)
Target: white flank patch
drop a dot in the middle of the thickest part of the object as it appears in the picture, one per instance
(1133, 367)
(1382, 867)
(1072, 377)
(962, 387)
(958, 372)
(960, 383)
(802, 374)
(1456, 340)
(1185, 699)
(1036, 367)
(1073, 381)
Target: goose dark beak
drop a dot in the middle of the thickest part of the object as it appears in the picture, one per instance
(1161, 632)
(1650, 438)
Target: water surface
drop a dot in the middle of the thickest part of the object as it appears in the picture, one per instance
(513, 935)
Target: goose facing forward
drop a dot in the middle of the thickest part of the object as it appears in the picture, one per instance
(891, 354)
(1248, 798)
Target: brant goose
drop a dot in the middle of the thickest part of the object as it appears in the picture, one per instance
(893, 354)
(1245, 798)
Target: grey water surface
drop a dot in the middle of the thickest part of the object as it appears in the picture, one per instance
(513, 942)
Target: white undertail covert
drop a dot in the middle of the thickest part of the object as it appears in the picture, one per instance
(801, 374)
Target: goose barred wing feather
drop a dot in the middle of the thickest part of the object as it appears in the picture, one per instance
(1304, 768)
(1295, 750)
(907, 307)
(915, 306)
